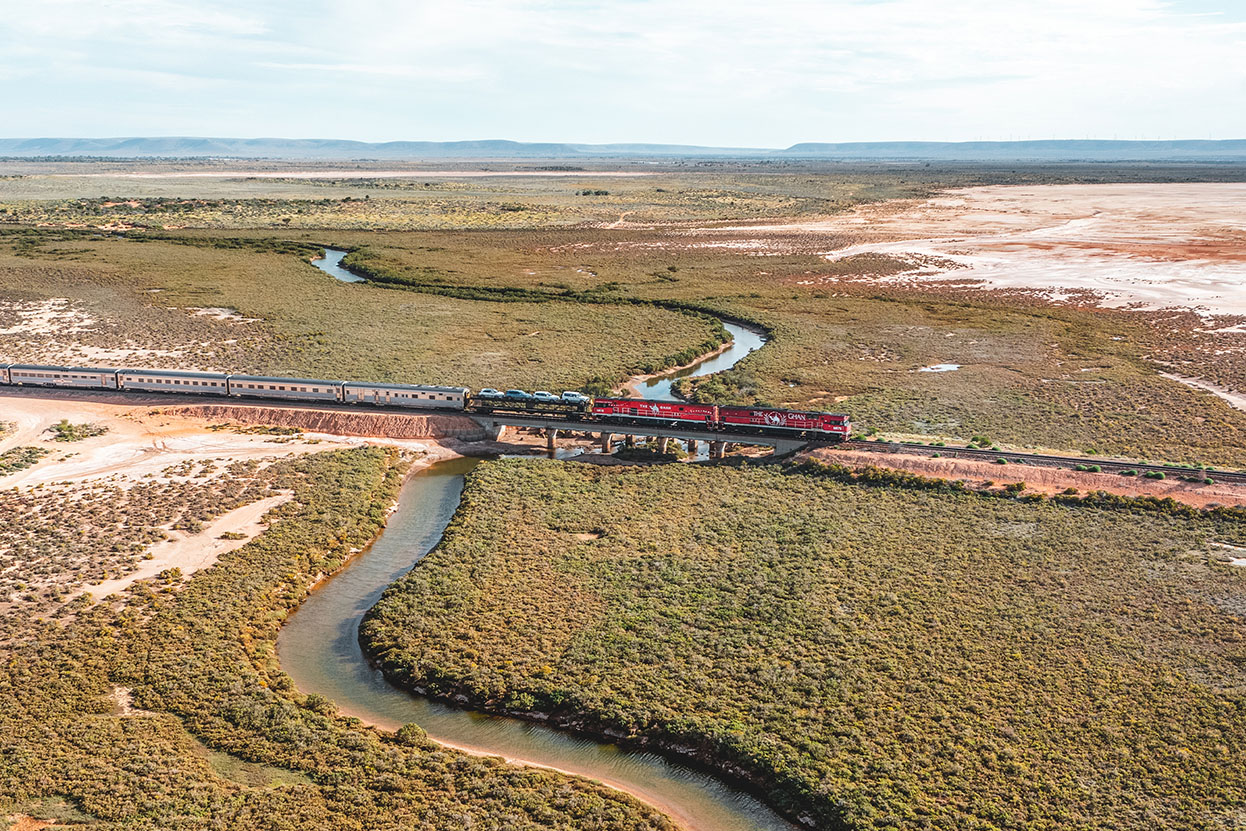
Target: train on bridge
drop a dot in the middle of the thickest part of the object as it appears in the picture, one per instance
(570, 406)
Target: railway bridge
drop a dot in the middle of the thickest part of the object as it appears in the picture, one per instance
(718, 441)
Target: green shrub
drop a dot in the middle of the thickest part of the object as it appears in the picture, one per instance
(836, 654)
(64, 431)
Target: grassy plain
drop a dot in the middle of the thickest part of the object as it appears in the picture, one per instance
(663, 194)
(569, 273)
(880, 657)
(956, 661)
(224, 195)
(171, 711)
(1034, 374)
(88, 300)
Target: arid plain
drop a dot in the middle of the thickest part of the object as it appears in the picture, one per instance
(1083, 311)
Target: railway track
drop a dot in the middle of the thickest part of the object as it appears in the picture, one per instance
(1093, 464)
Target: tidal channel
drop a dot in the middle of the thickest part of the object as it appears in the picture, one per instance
(319, 648)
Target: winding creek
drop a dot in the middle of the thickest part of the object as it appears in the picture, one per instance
(319, 648)
(744, 340)
(331, 264)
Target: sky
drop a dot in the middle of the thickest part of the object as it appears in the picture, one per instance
(762, 73)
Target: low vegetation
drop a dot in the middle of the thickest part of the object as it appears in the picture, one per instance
(171, 711)
(57, 538)
(20, 458)
(64, 431)
(1030, 374)
(245, 308)
(582, 300)
(424, 200)
(440, 203)
(894, 654)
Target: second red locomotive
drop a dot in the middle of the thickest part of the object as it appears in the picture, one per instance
(760, 420)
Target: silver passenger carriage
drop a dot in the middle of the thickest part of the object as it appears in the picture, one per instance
(419, 396)
(293, 389)
(36, 375)
(173, 380)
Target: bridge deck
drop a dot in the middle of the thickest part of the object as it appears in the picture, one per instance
(781, 444)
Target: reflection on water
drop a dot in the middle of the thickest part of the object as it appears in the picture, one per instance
(331, 264)
(319, 648)
(743, 341)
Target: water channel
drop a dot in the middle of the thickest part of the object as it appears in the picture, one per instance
(331, 264)
(743, 341)
(319, 648)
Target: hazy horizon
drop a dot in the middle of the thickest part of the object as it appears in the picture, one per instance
(293, 149)
(637, 142)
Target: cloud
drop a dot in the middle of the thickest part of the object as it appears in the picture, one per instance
(448, 74)
(129, 19)
(705, 71)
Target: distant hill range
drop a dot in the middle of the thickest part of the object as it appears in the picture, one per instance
(274, 148)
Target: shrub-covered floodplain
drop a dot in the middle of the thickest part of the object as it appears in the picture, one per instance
(55, 539)
(258, 306)
(1032, 374)
(538, 303)
(172, 713)
(869, 657)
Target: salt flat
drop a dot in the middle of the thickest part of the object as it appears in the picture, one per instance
(1148, 246)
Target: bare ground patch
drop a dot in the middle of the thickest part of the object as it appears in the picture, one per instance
(189, 552)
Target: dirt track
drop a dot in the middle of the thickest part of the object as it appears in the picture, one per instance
(140, 441)
(1043, 480)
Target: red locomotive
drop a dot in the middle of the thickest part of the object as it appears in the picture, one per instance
(762, 420)
(796, 422)
(640, 411)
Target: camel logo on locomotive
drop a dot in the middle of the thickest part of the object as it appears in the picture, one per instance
(774, 419)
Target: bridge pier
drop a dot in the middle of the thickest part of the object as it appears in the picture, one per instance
(657, 437)
(629, 441)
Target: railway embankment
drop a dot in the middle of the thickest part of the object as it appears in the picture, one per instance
(1041, 480)
(340, 422)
